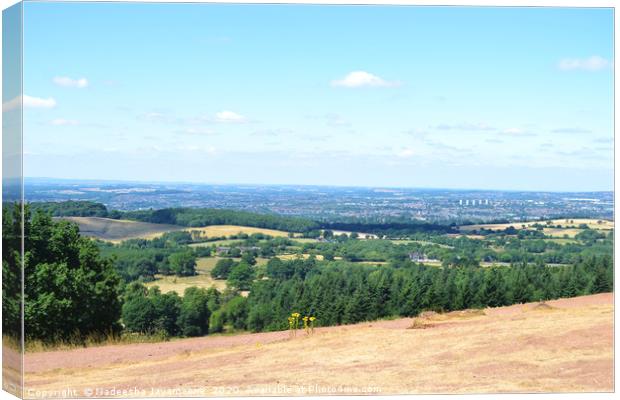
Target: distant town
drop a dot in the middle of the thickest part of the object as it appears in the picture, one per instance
(333, 203)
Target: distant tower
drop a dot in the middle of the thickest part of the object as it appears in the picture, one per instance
(461, 202)
(466, 202)
(486, 202)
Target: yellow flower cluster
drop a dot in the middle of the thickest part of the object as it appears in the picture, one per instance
(293, 323)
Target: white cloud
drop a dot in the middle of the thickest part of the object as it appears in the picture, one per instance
(65, 81)
(336, 120)
(273, 132)
(198, 131)
(571, 130)
(28, 102)
(229, 116)
(517, 132)
(594, 63)
(200, 149)
(358, 79)
(465, 127)
(155, 117)
(406, 153)
(64, 122)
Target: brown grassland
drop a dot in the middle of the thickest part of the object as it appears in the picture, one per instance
(561, 346)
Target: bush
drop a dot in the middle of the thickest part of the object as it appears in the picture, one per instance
(216, 321)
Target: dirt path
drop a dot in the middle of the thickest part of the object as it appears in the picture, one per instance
(565, 346)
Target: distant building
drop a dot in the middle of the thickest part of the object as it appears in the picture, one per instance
(417, 256)
(245, 249)
(222, 251)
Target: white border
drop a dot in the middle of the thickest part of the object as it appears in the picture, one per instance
(488, 3)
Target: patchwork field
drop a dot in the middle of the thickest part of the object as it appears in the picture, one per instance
(117, 230)
(561, 346)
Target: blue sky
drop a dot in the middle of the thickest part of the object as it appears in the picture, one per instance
(494, 98)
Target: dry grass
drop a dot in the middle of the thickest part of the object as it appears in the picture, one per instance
(204, 265)
(542, 306)
(561, 232)
(506, 350)
(229, 230)
(591, 223)
(288, 257)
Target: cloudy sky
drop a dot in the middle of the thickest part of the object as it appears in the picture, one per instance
(373, 96)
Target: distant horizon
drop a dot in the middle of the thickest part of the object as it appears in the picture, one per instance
(198, 183)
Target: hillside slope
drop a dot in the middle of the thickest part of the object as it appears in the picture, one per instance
(563, 346)
(116, 230)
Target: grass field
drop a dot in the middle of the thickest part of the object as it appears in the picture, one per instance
(422, 242)
(561, 346)
(228, 230)
(203, 278)
(561, 240)
(561, 232)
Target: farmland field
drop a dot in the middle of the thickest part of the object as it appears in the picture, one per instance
(565, 224)
(229, 230)
(204, 265)
(562, 346)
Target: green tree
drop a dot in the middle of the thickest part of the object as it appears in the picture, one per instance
(65, 277)
(241, 276)
(222, 268)
(138, 312)
(183, 263)
(194, 315)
